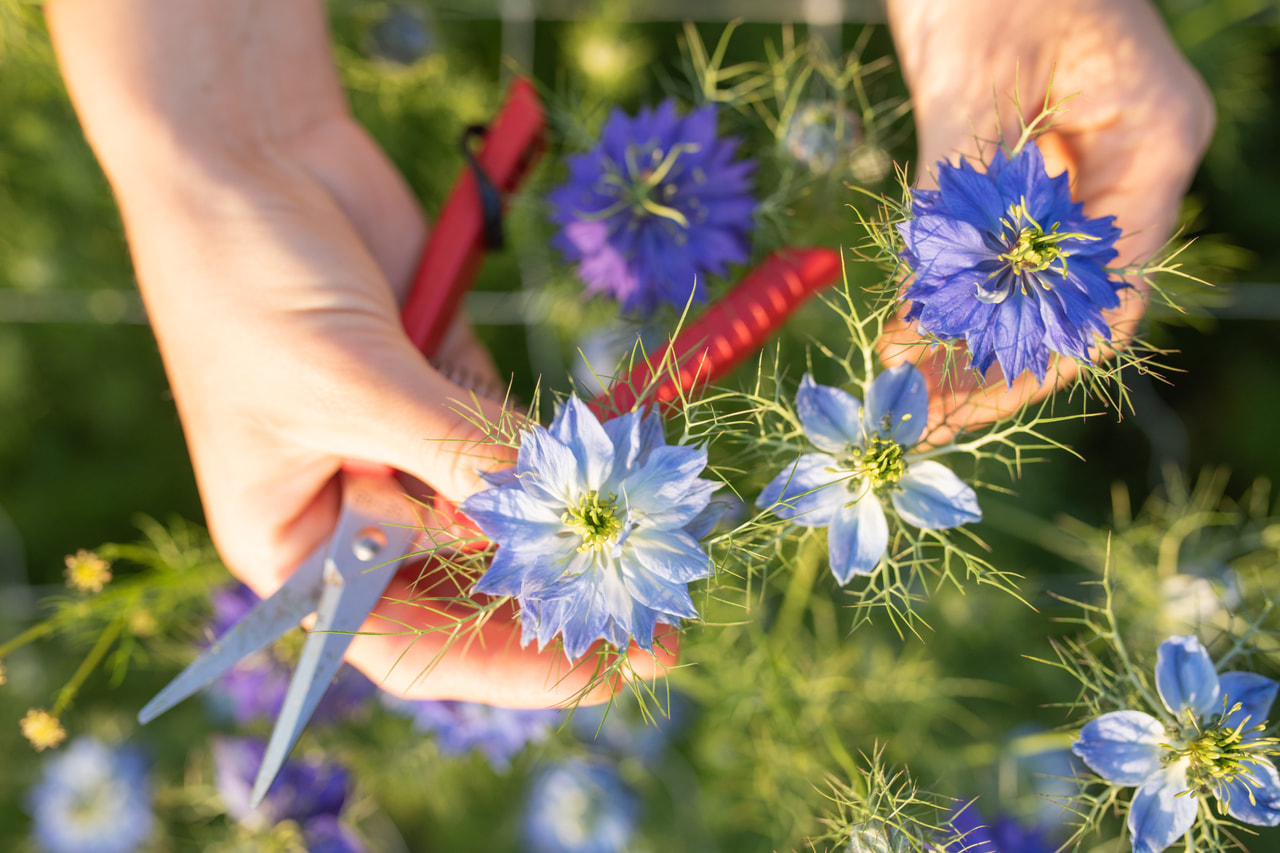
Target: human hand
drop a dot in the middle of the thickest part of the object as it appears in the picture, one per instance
(1131, 136)
(273, 243)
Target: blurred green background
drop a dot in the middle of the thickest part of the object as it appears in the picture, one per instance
(89, 438)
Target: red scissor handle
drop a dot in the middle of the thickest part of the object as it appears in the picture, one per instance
(455, 248)
(727, 332)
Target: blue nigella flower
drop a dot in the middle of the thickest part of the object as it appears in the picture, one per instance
(973, 834)
(655, 207)
(866, 458)
(578, 806)
(255, 688)
(92, 798)
(1213, 745)
(459, 727)
(597, 528)
(1006, 260)
(310, 793)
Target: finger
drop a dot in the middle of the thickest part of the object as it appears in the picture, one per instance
(420, 646)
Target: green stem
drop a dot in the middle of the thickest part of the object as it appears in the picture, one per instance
(95, 656)
(35, 632)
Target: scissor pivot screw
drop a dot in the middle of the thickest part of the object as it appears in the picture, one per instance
(369, 544)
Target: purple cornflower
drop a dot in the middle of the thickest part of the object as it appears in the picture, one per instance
(1006, 260)
(866, 458)
(310, 793)
(578, 806)
(459, 727)
(973, 834)
(658, 205)
(256, 687)
(92, 798)
(1210, 745)
(597, 528)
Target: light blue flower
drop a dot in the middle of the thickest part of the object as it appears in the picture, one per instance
(578, 806)
(864, 459)
(92, 798)
(597, 528)
(1213, 747)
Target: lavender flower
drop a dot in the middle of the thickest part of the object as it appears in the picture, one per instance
(866, 458)
(973, 834)
(655, 207)
(310, 793)
(256, 687)
(1212, 746)
(1006, 260)
(578, 806)
(459, 727)
(92, 798)
(597, 528)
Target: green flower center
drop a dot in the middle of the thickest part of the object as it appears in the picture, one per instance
(880, 461)
(595, 519)
(1218, 755)
(1034, 249)
(643, 188)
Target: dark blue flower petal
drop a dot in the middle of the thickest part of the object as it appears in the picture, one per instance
(969, 195)
(1186, 677)
(1158, 815)
(1122, 747)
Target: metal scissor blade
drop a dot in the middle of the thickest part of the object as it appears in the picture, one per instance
(263, 625)
(363, 557)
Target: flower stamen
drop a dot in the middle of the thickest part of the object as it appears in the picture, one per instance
(595, 519)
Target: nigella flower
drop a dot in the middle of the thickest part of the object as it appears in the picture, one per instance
(1213, 745)
(309, 793)
(865, 458)
(92, 798)
(973, 834)
(578, 806)
(597, 529)
(655, 207)
(255, 688)
(1006, 260)
(459, 727)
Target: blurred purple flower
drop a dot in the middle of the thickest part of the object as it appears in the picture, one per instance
(256, 687)
(658, 205)
(1006, 260)
(972, 833)
(92, 798)
(459, 727)
(310, 793)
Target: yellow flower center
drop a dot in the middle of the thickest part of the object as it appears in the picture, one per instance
(880, 461)
(87, 572)
(42, 729)
(595, 519)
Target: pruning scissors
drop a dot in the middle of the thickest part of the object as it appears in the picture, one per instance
(378, 528)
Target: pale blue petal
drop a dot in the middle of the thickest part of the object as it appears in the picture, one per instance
(547, 469)
(625, 434)
(667, 477)
(1122, 747)
(857, 538)
(580, 430)
(513, 517)
(897, 405)
(1255, 693)
(503, 575)
(1158, 816)
(703, 523)
(930, 496)
(808, 492)
(1186, 677)
(655, 591)
(830, 417)
(682, 511)
(1256, 799)
(504, 477)
(671, 554)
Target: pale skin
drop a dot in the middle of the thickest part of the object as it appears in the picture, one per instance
(273, 243)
